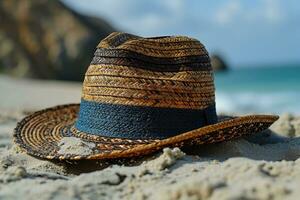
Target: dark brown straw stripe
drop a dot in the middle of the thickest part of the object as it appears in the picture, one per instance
(165, 54)
(169, 53)
(188, 60)
(168, 39)
(161, 46)
(175, 59)
(148, 96)
(150, 102)
(157, 66)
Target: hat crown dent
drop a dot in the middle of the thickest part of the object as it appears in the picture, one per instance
(116, 39)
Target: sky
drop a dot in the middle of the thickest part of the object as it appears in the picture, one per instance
(244, 32)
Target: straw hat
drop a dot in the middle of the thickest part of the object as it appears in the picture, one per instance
(139, 95)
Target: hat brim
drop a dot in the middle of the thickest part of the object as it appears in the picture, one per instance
(40, 133)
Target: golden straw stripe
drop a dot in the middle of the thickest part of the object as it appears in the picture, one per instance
(189, 79)
(140, 83)
(125, 71)
(188, 89)
(131, 93)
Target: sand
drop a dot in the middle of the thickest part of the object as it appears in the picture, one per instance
(263, 166)
(73, 145)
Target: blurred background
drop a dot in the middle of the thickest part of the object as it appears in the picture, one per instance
(46, 46)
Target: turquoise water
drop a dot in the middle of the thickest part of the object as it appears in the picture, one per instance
(259, 89)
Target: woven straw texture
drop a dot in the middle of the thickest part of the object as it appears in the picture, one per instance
(40, 133)
(171, 72)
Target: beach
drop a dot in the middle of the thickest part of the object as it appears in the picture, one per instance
(260, 166)
(259, 89)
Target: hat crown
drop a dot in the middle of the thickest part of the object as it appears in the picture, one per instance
(138, 75)
(169, 71)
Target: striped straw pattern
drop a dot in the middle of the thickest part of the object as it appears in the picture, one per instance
(166, 72)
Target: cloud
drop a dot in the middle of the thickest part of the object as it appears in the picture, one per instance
(262, 11)
(272, 11)
(175, 6)
(245, 30)
(138, 16)
(228, 12)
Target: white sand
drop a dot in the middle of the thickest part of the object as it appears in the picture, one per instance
(34, 94)
(73, 145)
(264, 166)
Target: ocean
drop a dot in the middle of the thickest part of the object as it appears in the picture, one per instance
(259, 90)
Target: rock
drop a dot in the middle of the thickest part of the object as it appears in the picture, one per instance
(283, 125)
(287, 116)
(296, 124)
(218, 64)
(14, 173)
(46, 39)
(165, 160)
